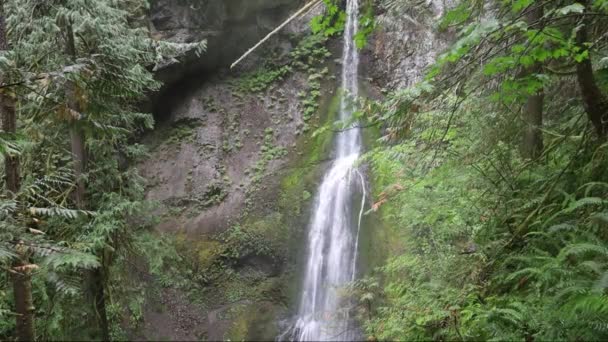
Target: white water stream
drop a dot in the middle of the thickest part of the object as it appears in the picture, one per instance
(334, 228)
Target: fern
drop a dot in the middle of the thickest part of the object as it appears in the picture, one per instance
(7, 207)
(71, 260)
(510, 316)
(6, 253)
(589, 187)
(62, 212)
(66, 285)
(590, 304)
(582, 249)
(594, 266)
(602, 282)
(566, 226)
(586, 202)
(600, 218)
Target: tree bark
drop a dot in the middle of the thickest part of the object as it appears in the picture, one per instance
(77, 137)
(24, 303)
(79, 159)
(594, 101)
(97, 289)
(9, 118)
(532, 144)
(532, 139)
(9, 125)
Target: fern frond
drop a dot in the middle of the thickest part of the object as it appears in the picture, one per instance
(586, 202)
(569, 226)
(591, 185)
(62, 212)
(7, 207)
(602, 283)
(537, 234)
(507, 315)
(66, 285)
(581, 249)
(71, 261)
(6, 253)
(571, 291)
(599, 326)
(45, 249)
(594, 266)
(531, 204)
(591, 304)
(599, 217)
(525, 272)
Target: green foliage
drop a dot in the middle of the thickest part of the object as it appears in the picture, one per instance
(330, 23)
(485, 257)
(487, 245)
(333, 21)
(239, 242)
(367, 26)
(71, 261)
(261, 79)
(83, 64)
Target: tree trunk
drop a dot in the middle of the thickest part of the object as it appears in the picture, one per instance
(21, 277)
(594, 101)
(95, 279)
(24, 303)
(532, 144)
(9, 118)
(532, 140)
(77, 137)
(79, 156)
(9, 125)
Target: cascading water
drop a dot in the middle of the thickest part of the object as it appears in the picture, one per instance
(334, 230)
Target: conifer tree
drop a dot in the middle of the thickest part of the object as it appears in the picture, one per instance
(83, 66)
(20, 268)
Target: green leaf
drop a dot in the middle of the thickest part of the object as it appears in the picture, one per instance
(573, 8)
(519, 5)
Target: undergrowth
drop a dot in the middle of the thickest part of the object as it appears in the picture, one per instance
(491, 246)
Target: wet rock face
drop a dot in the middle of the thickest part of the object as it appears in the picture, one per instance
(230, 27)
(206, 153)
(232, 149)
(212, 139)
(405, 45)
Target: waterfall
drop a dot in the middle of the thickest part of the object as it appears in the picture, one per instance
(333, 231)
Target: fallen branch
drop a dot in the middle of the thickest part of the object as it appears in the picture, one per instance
(296, 15)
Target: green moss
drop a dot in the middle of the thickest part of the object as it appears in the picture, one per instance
(240, 325)
(270, 229)
(292, 186)
(301, 180)
(378, 240)
(298, 185)
(253, 322)
(208, 252)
